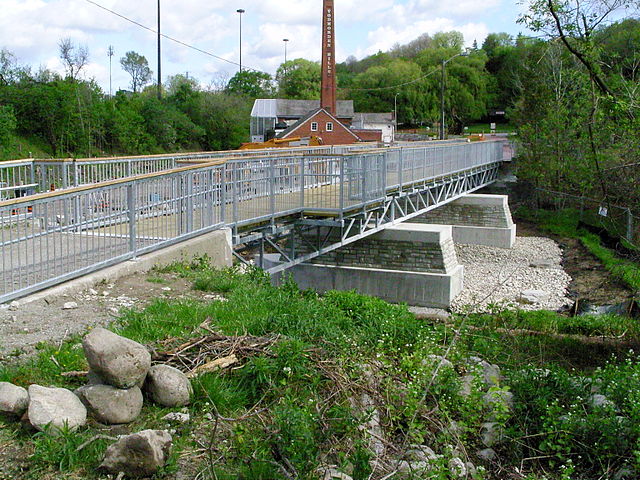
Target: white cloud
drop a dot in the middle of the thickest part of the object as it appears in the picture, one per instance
(32, 29)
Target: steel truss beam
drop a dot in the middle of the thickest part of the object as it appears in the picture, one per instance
(321, 235)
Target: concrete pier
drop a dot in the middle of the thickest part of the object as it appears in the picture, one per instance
(476, 219)
(410, 262)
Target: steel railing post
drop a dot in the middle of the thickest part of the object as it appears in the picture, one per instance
(223, 193)
(131, 205)
(272, 187)
(302, 182)
(342, 186)
(189, 202)
(234, 191)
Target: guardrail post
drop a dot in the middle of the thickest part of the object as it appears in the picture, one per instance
(189, 202)
(131, 205)
(234, 190)
(223, 193)
(302, 182)
(342, 186)
(400, 167)
(272, 187)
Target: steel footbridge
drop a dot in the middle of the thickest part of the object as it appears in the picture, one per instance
(62, 219)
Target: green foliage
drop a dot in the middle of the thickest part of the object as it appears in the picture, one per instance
(251, 83)
(299, 79)
(137, 66)
(7, 125)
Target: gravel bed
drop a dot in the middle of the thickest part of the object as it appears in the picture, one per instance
(496, 277)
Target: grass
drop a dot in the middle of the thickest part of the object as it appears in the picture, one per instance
(565, 224)
(296, 404)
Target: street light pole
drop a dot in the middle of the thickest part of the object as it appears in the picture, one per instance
(240, 11)
(395, 115)
(285, 40)
(444, 63)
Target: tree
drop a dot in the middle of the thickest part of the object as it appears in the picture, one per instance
(137, 66)
(299, 78)
(74, 57)
(7, 124)
(453, 40)
(8, 67)
(251, 83)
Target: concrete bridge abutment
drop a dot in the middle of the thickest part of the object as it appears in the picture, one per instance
(476, 219)
(410, 262)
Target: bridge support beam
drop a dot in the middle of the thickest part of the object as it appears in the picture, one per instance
(410, 263)
(476, 219)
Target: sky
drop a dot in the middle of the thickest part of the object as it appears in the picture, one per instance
(32, 29)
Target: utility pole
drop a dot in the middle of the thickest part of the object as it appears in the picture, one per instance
(110, 53)
(159, 59)
(240, 11)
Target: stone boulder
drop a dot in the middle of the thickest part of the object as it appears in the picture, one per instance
(141, 454)
(119, 361)
(14, 400)
(57, 407)
(491, 433)
(111, 405)
(489, 372)
(498, 400)
(487, 454)
(168, 386)
(530, 297)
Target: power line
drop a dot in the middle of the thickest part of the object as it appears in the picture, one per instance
(180, 42)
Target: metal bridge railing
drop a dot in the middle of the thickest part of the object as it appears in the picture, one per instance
(51, 237)
(27, 177)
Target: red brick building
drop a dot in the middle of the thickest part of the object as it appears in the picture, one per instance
(320, 123)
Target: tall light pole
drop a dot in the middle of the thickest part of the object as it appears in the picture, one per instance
(285, 40)
(444, 63)
(159, 61)
(110, 53)
(395, 115)
(240, 11)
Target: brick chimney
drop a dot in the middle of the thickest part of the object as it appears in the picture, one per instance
(328, 82)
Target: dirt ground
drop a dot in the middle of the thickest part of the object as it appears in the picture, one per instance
(26, 326)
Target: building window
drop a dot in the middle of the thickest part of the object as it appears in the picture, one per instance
(314, 126)
(329, 126)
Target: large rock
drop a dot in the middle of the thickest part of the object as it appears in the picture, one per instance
(138, 455)
(119, 361)
(489, 372)
(57, 407)
(530, 297)
(491, 433)
(168, 386)
(111, 405)
(13, 399)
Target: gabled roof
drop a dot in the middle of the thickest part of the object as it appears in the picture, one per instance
(278, 107)
(309, 116)
(373, 117)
